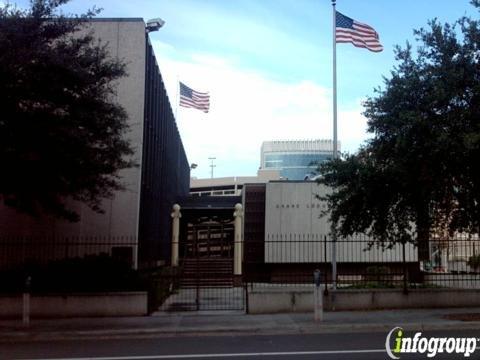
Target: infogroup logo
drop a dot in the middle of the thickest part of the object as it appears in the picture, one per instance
(397, 343)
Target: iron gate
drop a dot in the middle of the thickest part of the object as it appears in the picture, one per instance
(206, 280)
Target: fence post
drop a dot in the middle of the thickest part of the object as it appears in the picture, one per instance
(334, 258)
(405, 271)
(176, 215)
(325, 292)
(197, 275)
(26, 302)
(237, 245)
(317, 297)
(245, 284)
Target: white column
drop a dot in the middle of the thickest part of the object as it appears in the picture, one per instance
(176, 215)
(237, 250)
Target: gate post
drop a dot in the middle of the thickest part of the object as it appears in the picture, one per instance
(176, 215)
(237, 249)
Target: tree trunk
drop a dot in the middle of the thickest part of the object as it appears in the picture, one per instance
(423, 235)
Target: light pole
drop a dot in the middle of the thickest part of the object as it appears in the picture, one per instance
(193, 166)
(212, 165)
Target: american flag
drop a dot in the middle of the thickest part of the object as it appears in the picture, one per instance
(360, 35)
(194, 99)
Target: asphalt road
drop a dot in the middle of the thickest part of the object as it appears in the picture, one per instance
(308, 346)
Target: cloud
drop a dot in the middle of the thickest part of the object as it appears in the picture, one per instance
(247, 108)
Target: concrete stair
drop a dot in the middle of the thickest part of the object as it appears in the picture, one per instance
(207, 272)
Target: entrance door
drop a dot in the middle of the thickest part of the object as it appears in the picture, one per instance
(212, 240)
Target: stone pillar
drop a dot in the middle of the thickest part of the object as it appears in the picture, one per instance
(176, 215)
(238, 238)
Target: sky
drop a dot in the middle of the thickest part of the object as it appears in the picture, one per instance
(267, 65)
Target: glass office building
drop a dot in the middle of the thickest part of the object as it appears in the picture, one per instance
(295, 159)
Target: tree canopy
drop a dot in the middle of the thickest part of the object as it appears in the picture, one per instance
(419, 174)
(62, 135)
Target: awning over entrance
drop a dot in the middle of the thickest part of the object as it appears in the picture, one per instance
(209, 202)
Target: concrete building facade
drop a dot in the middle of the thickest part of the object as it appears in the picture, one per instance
(137, 219)
(286, 237)
(293, 222)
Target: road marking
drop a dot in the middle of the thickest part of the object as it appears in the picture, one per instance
(201, 356)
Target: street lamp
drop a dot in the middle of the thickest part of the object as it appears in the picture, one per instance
(154, 24)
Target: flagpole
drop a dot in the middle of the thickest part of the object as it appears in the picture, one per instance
(335, 144)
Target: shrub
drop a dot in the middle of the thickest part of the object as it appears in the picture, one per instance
(91, 273)
(378, 277)
(474, 262)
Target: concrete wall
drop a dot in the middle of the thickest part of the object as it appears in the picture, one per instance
(294, 230)
(284, 301)
(77, 305)
(263, 176)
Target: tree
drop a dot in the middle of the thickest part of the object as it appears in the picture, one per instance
(420, 172)
(61, 132)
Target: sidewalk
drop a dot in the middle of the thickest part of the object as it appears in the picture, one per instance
(222, 323)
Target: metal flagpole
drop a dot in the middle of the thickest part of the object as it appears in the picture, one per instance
(335, 144)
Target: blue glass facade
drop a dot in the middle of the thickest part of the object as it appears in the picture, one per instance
(295, 166)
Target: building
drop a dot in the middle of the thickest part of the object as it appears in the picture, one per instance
(295, 159)
(286, 236)
(136, 224)
(229, 186)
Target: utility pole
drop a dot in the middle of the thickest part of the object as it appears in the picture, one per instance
(212, 165)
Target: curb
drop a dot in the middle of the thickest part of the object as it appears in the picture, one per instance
(32, 336)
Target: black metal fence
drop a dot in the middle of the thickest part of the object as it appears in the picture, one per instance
(17, 252)
(68, 264)
(453, 263)
(290, 260)
(205, 279)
